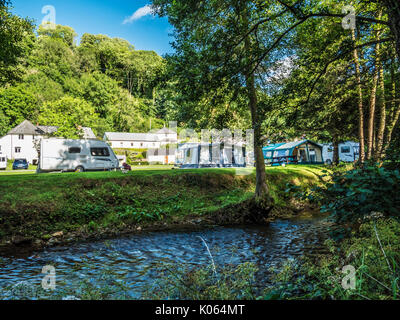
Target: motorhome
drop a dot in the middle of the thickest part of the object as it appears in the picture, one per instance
(348, 152)
(3, 162)
(76, 155)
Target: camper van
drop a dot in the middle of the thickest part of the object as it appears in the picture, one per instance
(348, 152)
(76, 155)
(3, 162)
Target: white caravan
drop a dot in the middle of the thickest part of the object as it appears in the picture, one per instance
(76, 155)
(3, 161)
(348, 152)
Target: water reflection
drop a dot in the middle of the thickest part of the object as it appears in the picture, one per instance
(135, 258)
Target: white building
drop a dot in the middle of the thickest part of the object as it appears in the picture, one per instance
(21, 141)
(160, 144)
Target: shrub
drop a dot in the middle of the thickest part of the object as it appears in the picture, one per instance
(352, 195)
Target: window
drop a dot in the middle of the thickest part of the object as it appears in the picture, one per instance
(345, 149)
(330, 149)
(281, 153)
(3, 159)
(131, 144)
(21, 137)
(74, 150)
(99, 152)
(17, 149)
(141, 144)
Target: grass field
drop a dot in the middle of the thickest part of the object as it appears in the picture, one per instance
(37, 205)
(32, 169)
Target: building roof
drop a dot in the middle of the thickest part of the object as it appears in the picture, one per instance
(48, 129)
(165, 131)
(123, 136)
(88, 133)
(26, 127)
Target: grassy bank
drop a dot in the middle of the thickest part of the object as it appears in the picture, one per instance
(49, 208)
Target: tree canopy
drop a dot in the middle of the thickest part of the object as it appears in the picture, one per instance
(103, 82)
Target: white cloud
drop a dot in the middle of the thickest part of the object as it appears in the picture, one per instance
(139, 13)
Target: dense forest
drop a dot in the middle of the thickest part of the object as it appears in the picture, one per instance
(102, 83)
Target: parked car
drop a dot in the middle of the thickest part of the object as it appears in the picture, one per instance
(126, 167)
(76, 155)
(20, 164)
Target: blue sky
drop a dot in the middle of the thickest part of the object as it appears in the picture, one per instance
(129, 20)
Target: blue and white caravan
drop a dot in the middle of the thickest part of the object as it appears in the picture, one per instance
(210, 155)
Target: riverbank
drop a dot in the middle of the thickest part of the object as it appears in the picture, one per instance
(51, 209)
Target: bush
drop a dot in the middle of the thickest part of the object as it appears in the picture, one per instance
(139, 163)
(352, 195)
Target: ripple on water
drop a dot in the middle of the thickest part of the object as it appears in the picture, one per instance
(135, 257)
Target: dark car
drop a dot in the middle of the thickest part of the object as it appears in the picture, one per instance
(20, 164)
(126, 167)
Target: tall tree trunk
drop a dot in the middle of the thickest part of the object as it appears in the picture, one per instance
(372, 103)
(394, 115)
(262, 192)
(382, 119)
(393, 10)
(261, 179)
(360, 102)
(371, 119)
(335, 158)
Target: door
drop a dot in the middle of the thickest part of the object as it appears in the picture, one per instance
(303, 157)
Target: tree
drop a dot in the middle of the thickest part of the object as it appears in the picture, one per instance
(16, 105)
(69, 114)
(16, 39)
(61, 33)
(206, 66)
(360, 99)
(55, 58)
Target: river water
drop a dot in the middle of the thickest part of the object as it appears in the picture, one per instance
(135, 258)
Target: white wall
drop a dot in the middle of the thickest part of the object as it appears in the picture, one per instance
(8, 144)
(134, 144)
(116, 144)
(167, 138)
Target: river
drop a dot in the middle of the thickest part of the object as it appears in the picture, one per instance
(135, 258)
